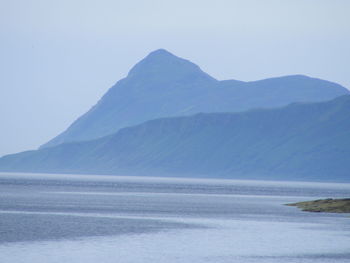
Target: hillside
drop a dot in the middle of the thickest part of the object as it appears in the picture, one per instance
(302, 141)
(164, 85)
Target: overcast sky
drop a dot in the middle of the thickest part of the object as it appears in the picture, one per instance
(59, 57)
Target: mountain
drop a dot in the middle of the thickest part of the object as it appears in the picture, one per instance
(163, 85)
(301, 141)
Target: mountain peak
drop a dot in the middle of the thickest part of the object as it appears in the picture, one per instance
(160, 56)
(160, 52)
(163, 64)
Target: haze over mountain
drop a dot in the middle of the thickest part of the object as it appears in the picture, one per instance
(301, 141)
(163, 85)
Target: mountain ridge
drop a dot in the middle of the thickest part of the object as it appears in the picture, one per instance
(301, 141)
(164, 85)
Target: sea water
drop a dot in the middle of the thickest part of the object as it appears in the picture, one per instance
(79, 218)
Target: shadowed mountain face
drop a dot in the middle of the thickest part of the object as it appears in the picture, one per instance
(302, 141)
(163, 85)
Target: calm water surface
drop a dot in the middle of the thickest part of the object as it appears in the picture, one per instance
(77, 218)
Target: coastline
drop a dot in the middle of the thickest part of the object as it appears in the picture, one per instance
(324, 205)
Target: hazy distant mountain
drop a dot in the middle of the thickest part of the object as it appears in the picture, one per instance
(302, 141)
(163, 85)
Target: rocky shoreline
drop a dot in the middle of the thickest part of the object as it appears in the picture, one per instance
(325, 205)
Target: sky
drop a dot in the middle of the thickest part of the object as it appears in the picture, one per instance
(57, 58)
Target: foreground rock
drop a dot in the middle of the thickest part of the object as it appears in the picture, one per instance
(325, 205)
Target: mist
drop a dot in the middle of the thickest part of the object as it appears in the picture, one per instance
(59, 58)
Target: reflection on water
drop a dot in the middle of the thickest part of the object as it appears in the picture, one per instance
(56, 218)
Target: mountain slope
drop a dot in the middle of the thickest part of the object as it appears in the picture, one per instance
(163, 85)
(309, 141)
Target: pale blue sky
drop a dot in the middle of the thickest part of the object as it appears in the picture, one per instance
(59, 57)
